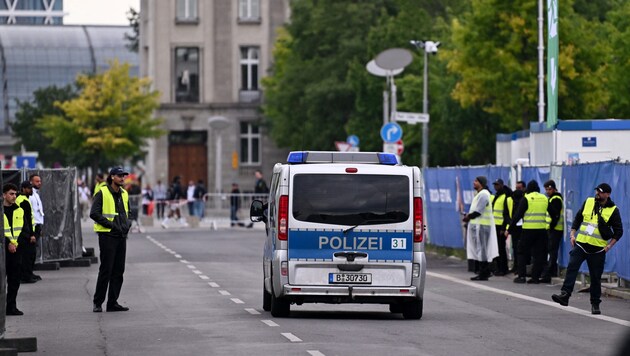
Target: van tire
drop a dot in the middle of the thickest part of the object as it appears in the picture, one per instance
(266, 299)
(280, 307)
(412, 310)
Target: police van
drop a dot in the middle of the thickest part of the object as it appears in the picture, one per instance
(343, 227)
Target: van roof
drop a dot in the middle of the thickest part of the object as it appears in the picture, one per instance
(303, 157)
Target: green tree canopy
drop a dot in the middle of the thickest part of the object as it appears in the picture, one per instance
(110, 120)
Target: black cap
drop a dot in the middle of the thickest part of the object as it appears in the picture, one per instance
(498, 181)
(116, 171)
(26, 184)
(604, 188)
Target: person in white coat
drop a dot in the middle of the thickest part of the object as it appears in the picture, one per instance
(481, 236)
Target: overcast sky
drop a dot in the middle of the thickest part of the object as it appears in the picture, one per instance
(98, 12)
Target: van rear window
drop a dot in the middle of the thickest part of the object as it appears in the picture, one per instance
(351, 199)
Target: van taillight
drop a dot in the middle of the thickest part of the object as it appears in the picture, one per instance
(418, 226)
(283, 218)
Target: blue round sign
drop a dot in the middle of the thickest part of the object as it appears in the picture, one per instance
(353, 140)
(391, 132)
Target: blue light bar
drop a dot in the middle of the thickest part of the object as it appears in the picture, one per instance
(297, 157)
(387, 158)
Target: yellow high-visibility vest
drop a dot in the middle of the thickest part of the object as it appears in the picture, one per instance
(19, 201)
(589, 231)
(497, 209)
(560, 224)
(534, 217)
(12, 233)
(109, 207)
(99, 186)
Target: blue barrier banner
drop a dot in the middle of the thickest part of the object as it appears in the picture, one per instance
(448, 194)
(539, 174)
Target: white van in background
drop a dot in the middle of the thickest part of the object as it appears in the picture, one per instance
(343, 227)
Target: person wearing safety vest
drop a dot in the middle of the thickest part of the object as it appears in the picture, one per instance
(28, 248)
(598, 227)
(99, 182)
(512, 205)
(481, 239)
(501, 217)
(533, 210)
(555, 232)
(110, 212)
(15, 234)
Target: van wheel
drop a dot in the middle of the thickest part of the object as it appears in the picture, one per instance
(266, 299)
(396, 308)
(412, 310)
(280, 307)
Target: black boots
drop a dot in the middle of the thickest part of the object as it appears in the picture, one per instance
(563, 298)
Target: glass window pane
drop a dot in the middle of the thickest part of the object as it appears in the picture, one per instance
(193, 9)
(244, 151)
(255, 9)
(181, 9)
(255, 150)
(187, 75)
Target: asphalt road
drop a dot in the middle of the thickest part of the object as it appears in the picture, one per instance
(196, 292)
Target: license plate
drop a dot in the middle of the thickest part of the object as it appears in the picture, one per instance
(356, 278)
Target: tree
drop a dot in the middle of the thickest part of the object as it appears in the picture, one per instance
(110, 120)
(25, 127)
(134, 38)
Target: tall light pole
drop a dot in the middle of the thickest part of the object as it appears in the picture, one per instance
(427, 47)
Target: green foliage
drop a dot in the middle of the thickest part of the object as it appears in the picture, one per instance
(25, 127)
(133, 39)
(110, 120)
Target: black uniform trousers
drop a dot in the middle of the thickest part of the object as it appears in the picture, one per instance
(13, 264)
(551, 269)
(501, 261)
(113, 252)
(516, 238)
(534, 243)
(29, 254)
(595, 263)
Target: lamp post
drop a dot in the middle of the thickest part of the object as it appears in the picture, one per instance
(427, 47)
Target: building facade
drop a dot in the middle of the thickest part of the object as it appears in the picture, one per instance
(31, 12)
(207, 58)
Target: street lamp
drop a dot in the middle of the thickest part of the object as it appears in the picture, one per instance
(427, 47)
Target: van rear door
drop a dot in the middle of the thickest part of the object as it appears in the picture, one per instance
(351, 226)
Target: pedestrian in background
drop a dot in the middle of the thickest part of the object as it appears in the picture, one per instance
(29, 246)
(15, 235)
(147, 199)
(598, 227)
(481, 239)
(110, 212)
(174, 196)
(190, 198)
(533, 210)
(28, 264)
(261, 186)
(84, 199)
(500, 215)
(555, 219)
(160, 198)
(512, 205)
(235, 205)
(200, 199)
(99, 182)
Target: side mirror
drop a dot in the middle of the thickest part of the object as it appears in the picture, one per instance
(257, 211)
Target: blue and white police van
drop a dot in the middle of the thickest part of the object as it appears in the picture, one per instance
(343, 227)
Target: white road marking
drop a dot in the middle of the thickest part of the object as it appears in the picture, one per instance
(270, 323)
(531, 299)
(177, 256)
(204, 277)
(213, 285)
(224, 292)
(315, 353)
(252, 311)
(196, 271)
(237, 301)
(292, 337)
(183, 261)
(192, 267)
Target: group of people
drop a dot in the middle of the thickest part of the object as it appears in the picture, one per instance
(23, 221)
(535, 223)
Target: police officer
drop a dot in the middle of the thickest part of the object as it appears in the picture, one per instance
(110, 212)
(555, 219)
(15, 235)
(533, 210)
(28, 248)
(500, 212)
(512, 205)
(598, 227)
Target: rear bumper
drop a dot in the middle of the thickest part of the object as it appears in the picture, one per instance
(349, 294)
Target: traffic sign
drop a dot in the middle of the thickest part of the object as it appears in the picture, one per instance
(412, 117)
(394, 147)
(342, 146)
(391, 132)
(353, 140)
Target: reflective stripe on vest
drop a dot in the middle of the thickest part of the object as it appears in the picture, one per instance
(589, 232)
(19, 201)
(534, 217)
(18, 223)
(560, 224)
(497, 209)
(109, 207)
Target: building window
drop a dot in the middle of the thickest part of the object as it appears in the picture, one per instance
(187, 10)
(250, 144)
(187, 75)
(249, 68)
(249, 10)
